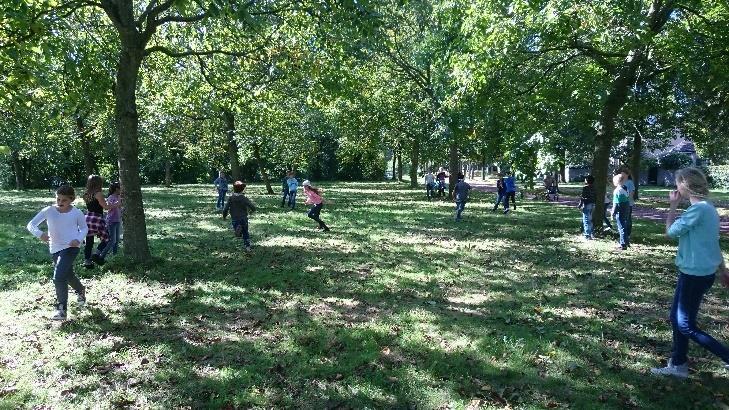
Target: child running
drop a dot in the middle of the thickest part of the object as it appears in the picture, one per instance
(221, 185)
(66, 230)
(239, 207)
(284, 189)
(500, 192)
(95, 206)
(113, 221)
(313, 198)
(460, 192)
(699, 260)
(293, 185)
(621, 207)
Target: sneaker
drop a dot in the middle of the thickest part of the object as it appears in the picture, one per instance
(81, 298)
(670, 370)
(98, 259)
(88, 264)
(506, 211)
(249, 248)
(59, 314)
(325, 229)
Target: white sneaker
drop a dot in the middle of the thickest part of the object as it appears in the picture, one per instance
(59, 314)
(670, 370)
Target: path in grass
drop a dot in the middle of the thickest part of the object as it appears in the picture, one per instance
(650, 213)
(397, 307)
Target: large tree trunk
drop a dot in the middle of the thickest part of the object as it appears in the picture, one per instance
(18, 171)
(83, 135)
(635, 160)
(414, 161)
(606, 130)
(399, 165)
(136, 246)
(229, 119)
(262, 169)
(168, 170)
(394, 164)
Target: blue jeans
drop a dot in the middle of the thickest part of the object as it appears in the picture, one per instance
(690, 291)
(240, 227)
(460, 205)
(587, 219)
(292, 199)
(621, 219)
(63, 275)
(441, 188)
(113, 243)
(499, 199)
(221, 199)
(430, 190)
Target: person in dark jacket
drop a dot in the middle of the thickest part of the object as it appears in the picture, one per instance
(587, 205)
(239, 207)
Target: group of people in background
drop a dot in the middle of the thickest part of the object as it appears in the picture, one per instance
(619, 201)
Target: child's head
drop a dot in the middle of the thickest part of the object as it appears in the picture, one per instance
(65, 195)
(114, 188)
(589, 180)
(239, 186)
(93, 185)
(618, 179)
(692, 182)
(221, 174)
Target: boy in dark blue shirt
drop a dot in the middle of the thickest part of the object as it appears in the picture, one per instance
(460, 193)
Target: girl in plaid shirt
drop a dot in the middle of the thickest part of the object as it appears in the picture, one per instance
(95, 206)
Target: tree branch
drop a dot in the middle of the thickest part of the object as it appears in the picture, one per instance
(188, 53)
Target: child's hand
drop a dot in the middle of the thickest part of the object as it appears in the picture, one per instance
(44, 237)
(674, 197)
(75, 243)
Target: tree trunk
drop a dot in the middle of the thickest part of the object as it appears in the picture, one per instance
(394, 158)
(136, 246)
(483, 164)
(89, 162)
(635, 160)
(229, 119)
(262, 169)
(606, 130)
(414, 162)
(168, 170)
(453, 167)
(18, 171)
(399, 165)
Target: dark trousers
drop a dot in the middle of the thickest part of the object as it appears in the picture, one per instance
(430, 190)
(292, 199)
(63, 275)
(314, 213)
(240, 227)
(441, 188)
(690, 292)
(460, 206)
(89, 247)
(512, 196)
(284, 195)
(221, 199)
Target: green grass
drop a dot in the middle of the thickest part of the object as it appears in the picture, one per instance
(397, 307)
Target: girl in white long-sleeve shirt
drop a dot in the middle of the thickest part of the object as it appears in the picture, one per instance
(66, 230)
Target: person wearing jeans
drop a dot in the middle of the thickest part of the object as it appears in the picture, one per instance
(221, 185)
(460, 191)
(587, 205)
(699, 259)
(63, 277)
(240, 207)
(620, 211)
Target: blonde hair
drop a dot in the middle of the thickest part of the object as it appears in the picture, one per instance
(694, 181)
(618, 179)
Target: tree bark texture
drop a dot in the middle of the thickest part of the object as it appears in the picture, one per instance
(262, 169)
(232, 145)
(18, 171)
(399, 165)
(394, 164)
(635, 160)
(168, 170)
(414, 161)
(136, 245)
(453, 164)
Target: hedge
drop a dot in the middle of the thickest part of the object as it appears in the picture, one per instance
(719, 176)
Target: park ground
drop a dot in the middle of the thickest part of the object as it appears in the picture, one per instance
(396, 307)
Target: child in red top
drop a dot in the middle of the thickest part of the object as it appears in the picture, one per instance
(313, 197)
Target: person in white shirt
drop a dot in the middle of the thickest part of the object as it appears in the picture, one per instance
(66, 231)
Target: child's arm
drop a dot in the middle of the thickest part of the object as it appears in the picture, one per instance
(226, 208)
(251, 205)
(37, 220)
(102, 201)
(83, 229)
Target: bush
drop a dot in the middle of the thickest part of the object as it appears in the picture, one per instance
(718, 176)
(674, 161)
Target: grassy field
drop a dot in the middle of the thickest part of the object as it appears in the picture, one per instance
(396, 307)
